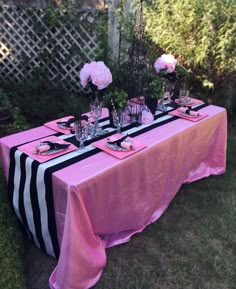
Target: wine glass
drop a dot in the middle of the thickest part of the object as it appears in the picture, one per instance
(168, 91)
(81, 133)
(96, 112)
(118, 119)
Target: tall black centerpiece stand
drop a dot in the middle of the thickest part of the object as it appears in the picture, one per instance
(138, 52)
(137, 57)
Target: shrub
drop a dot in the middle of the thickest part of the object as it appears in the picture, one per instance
(38, 101)
(201, 34)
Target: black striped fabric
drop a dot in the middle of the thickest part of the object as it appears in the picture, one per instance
(30, 186)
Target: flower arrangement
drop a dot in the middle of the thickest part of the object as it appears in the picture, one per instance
(97, 74)
(170, 74)
(165, 67)
(164, 86)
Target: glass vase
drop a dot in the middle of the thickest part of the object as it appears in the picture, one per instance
(96, 112)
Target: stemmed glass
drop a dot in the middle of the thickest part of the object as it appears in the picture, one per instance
(167, 95)
(96, 112)
(118, 119)
(81, 133)
(168, 91)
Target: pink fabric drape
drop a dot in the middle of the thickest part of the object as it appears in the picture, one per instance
(102, 201)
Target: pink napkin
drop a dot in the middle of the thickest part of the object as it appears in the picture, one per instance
(53, 125)
(42, 148)
(193, 101)
(136, 146)
(190, 117)
(127, 145)
(188, 111)
(124, 144)
(30, 149)
(147, 117)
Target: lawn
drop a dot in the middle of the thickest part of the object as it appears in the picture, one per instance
(193, 245)
(11, 245)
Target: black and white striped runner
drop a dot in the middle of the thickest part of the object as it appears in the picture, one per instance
(30, 183)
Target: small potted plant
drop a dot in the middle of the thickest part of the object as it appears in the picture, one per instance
(153, 91)
(115, 100)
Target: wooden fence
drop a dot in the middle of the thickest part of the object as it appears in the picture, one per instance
(54, 41)
(100, 4)
(36, 40)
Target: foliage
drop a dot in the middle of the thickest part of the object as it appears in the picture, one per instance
(201, 34)
(14, 119)
(117, 97)
(37, 101)
(154, 86)
(118, 89)
(4, 100)
(154, 83)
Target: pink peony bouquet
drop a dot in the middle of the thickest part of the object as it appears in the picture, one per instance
(166, 62)
(97, 73)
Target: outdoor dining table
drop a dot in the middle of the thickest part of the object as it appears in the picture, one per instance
(77, 204)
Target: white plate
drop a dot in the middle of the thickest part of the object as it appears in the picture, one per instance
(188, 115)
(49, 152)
(63, 126)
(115, 147)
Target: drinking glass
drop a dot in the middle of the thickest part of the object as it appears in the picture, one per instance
(184, 96)
(96, 112)
(118, 119)
(81, 133)
(168, 91)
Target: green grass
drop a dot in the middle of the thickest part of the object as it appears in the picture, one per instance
(192, 246)
(11, 245)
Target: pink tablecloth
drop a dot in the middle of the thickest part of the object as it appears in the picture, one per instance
(102, 201)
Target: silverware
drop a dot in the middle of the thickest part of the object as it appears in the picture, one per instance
(118, 142)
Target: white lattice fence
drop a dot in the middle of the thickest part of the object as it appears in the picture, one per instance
(58, 44)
